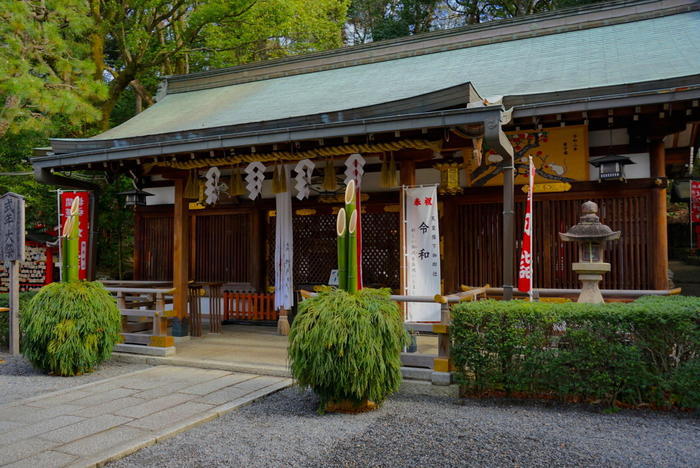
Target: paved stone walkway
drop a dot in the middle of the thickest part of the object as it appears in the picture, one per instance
(106, 420)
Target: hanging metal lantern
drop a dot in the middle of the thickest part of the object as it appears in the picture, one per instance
(611, 167)
(449, 178)
(135, 197)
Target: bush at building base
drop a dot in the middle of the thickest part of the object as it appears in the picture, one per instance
(637, 354)
(347, 347)
(70, 328)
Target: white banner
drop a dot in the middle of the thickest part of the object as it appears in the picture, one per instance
(284, 291)
(422, 251)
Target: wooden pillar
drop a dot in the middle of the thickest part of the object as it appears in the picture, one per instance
(407, 174)
(180, 251)
(449, 231)
(659, 264)
(508, 229)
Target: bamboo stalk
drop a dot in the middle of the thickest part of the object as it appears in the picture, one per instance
(352, 253)
(351, 248)
(340, 226)
(71, 244)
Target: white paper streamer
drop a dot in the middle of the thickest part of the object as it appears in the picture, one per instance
(304, 169)
(255, 174)
(212, 185)
(284, 248)
(354, 169)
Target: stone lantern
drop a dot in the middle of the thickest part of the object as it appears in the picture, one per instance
(591, 236)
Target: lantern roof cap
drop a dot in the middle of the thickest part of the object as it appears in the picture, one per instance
(611, 158)
(136, 192)
(589, 227)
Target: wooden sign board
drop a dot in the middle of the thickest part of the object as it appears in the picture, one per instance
(12, 252)
(11, 227)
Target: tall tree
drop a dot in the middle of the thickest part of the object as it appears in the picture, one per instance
(46, 77)
(270, 29)
(370, 20)
(395, 18)
(136, 41)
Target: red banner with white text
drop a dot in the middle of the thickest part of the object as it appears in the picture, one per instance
(695, 200)
(66, 200)
(525, 275)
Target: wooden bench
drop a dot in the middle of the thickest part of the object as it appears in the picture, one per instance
(144, 326)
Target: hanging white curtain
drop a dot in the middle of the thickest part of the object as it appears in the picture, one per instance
(284, 248)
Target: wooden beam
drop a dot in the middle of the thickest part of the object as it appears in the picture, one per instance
(407, 172)
(659, 264)
(180, 250)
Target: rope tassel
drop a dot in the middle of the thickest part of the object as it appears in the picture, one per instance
(330, 183)
(279, 181)
(388, 174)
(192, 188)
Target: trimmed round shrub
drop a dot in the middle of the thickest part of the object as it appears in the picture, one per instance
(70, 328)
(347, 347)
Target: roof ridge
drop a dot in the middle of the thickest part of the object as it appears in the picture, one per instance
(558, 21)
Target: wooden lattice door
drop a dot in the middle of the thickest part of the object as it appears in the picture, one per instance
(315, 248)
(225, 248)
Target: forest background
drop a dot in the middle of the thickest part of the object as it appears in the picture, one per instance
(74, 68)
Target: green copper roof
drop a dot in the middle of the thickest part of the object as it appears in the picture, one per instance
(653, 49)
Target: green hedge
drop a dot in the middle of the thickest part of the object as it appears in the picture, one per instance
(645, 352)
(24, 298)
(70, 328)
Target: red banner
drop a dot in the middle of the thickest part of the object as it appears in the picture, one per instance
(525, 275)
(695, 200)
(66, 200)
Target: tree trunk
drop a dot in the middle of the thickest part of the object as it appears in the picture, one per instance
(116, 88)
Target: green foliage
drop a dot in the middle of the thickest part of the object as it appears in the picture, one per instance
(115, 231)
(47, 78)
(15, 148)
(347, 346)
(646, 352)
(24, 298)
(159, 37)
(270, 29)
(70, 328)
(373, 20)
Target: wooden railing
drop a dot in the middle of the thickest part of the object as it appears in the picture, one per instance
(144, 316)
(249, 306)
(196, 291)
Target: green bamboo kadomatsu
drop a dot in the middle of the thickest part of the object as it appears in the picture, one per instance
(71, 244)
(342, 231)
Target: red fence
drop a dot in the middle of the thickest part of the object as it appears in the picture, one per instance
(249, 306)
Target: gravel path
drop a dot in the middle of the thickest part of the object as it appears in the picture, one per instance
(284, 430)
(19, 380)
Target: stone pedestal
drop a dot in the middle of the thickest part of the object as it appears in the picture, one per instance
(590, 274)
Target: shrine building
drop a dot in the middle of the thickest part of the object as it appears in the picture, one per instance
(604, 98)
